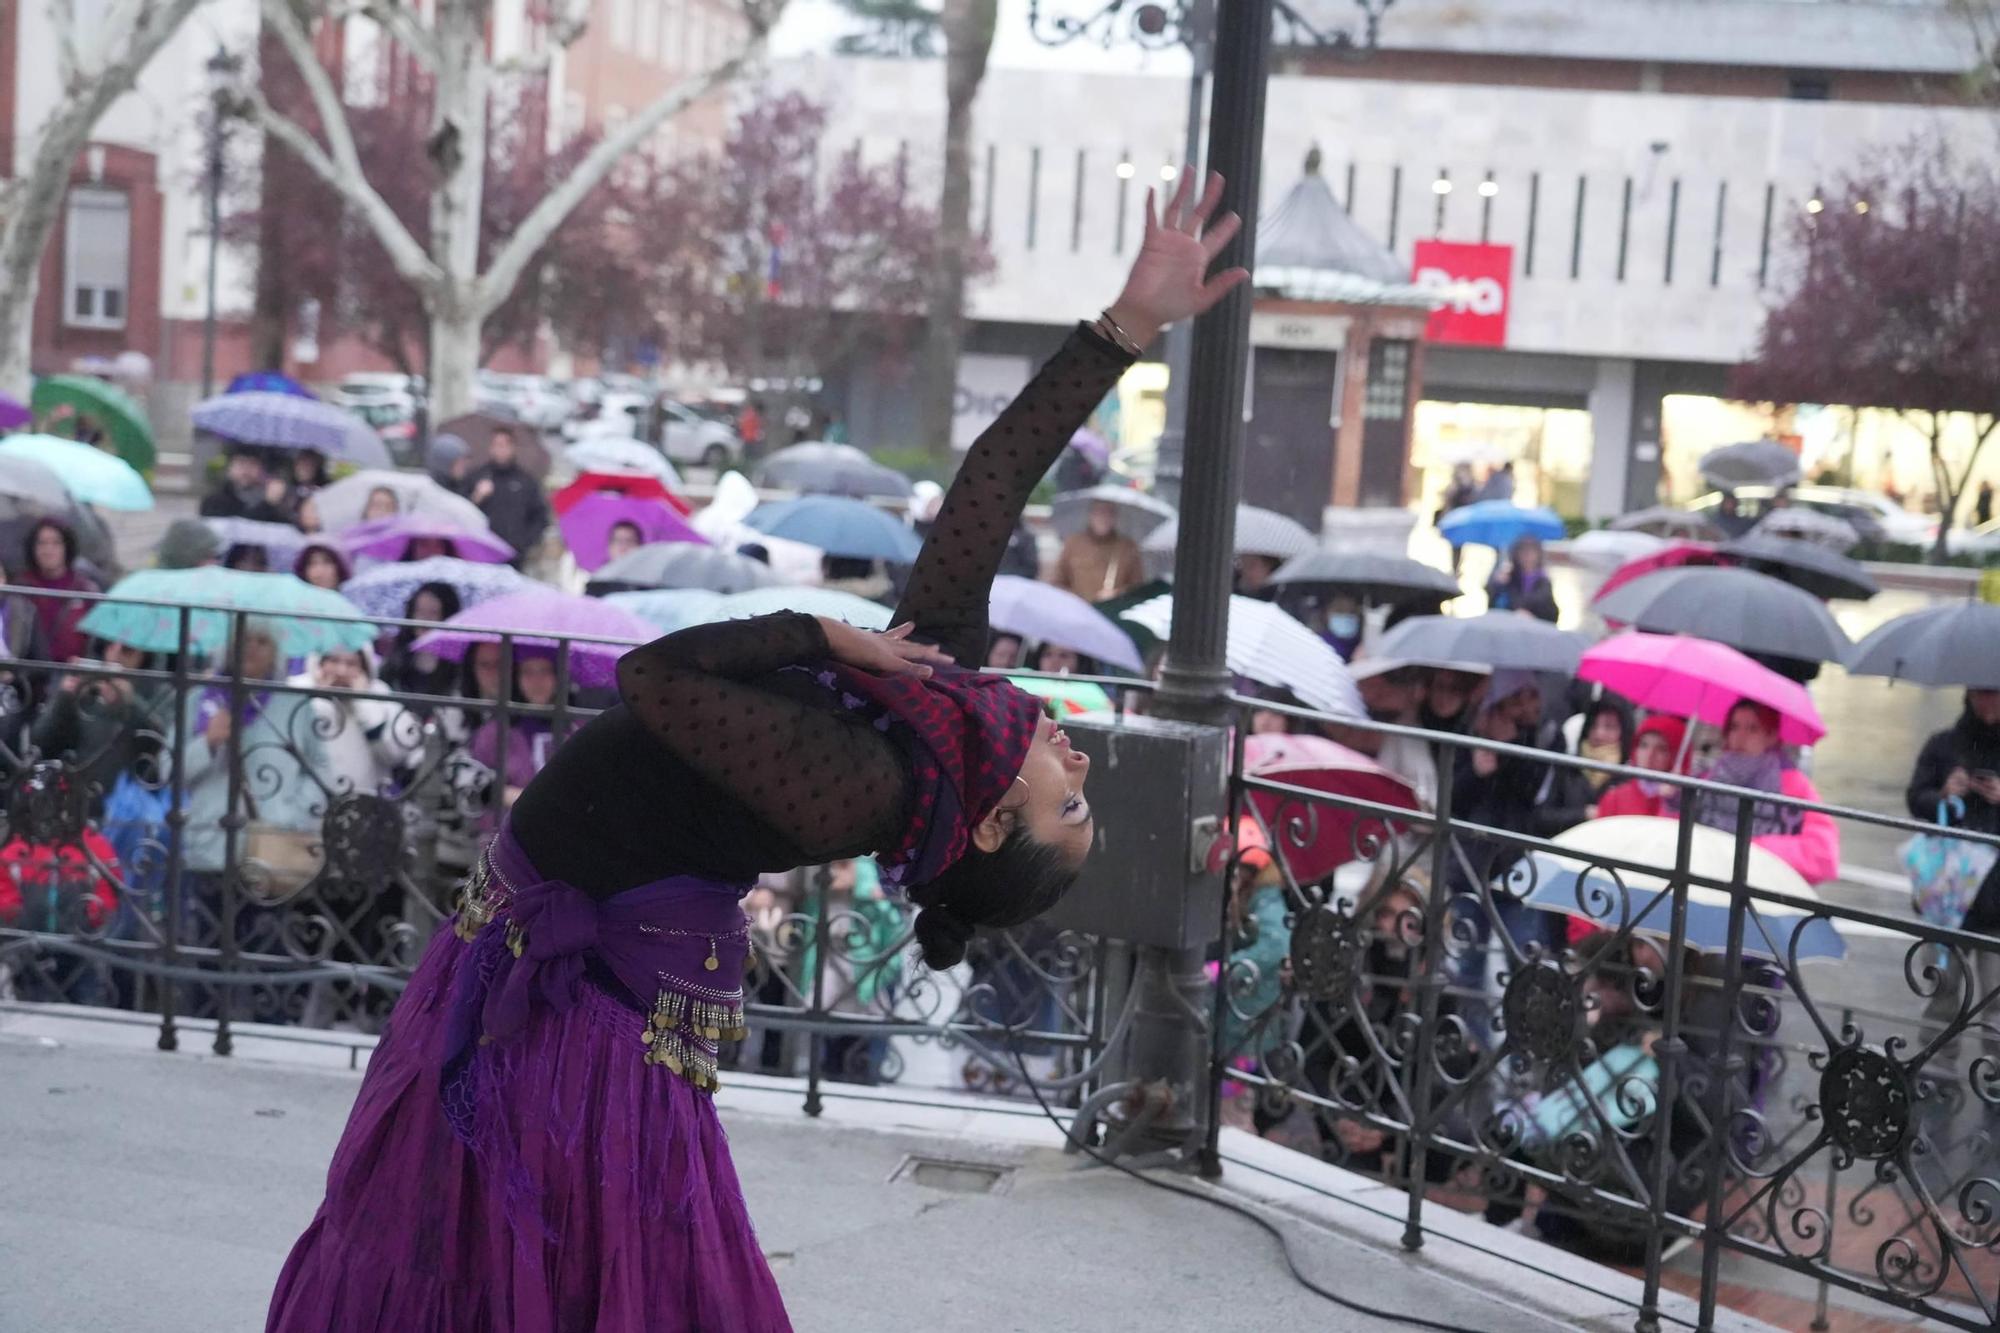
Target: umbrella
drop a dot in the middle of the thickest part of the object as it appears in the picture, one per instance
(1258, 532)
(1048, 614)
(669, 610)
(14, 413)
(1606, 548)
(342, 503)
(1076, 696)
(1662, 521)
(1578, 884)
(281, 541)
(268, 381)
(1755, 463)
(1687, 677)
(1809, 525)
(1751, 612)
(587, 525)
(1271, 648)
(1138, 512)
(1502, 640)
(387, 538)
(620, 453)
(36, 486)
(285, 421)
(636, 485)
(841, 527)
(90, 475)
(1323, 766)
(833, 602)
(1673, 556)
(1820, 570)
(539, 617)
(1379, 576)
(684, 565)
(831, 469)
(386, 590)
(122, 420)
(1091, 446)
(1499, 524)
(476, 429)
(281, 599)
(1955, 645)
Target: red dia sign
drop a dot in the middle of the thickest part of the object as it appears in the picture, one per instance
(1474, 282)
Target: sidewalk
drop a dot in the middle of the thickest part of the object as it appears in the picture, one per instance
(161, 1191)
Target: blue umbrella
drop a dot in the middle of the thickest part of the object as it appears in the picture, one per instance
(282, 421)
(91, 475)
(269, 381)
(386, 590)
(852, 529)
(1499, 523)
(281, 600)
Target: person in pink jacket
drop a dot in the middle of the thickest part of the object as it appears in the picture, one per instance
(1752, 756)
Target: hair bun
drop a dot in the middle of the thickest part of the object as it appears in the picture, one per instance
(942, 934)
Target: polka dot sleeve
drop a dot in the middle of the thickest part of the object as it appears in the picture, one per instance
(824, 779)
(953, 578)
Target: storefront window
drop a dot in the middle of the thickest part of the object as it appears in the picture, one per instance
(1548, 446)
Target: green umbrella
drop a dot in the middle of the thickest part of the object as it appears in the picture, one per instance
(122, 420)
(152, 622)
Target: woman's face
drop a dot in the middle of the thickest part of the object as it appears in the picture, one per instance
(260, 656)
(322, 570)
(1004, 653)
(1056, 659)
(1528, 556)
(624, 540)
(1264, 722)
(1652, 752)
(305, 466)
(343, 671)
(1053, 808)
(426, 605)
(309, 515)
(1746, 733)
(486, 669)
(51, 556)
(252, 558)
(1605, 730)
(1448, 694)
(538, 680)
(381, 504)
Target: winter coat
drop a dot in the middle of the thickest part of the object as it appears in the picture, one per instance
(1814, 851)
(1971, 745)
(283, 768)
(366, 740)
(1095, 568)
(110, 736)
(518, 508)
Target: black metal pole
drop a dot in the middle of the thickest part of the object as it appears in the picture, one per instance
(1200, 39)
(1195, 684)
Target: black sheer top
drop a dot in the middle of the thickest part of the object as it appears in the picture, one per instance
(719, 763)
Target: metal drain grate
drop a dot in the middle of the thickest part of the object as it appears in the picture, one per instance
(950, 1177)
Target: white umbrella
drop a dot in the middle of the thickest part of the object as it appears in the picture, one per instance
(621, 453)
(1271, 648)
(342, 504)
(1258, 532)
(1606, 548)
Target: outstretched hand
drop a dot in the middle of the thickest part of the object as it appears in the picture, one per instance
(890, 653)
(1169, 279)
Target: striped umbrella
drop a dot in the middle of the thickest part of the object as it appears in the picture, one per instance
(285, 421)
(1271, 648)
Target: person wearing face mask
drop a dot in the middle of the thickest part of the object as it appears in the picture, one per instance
(1343, 625)
(1656, 745)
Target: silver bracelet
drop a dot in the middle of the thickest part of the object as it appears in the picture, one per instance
(1116, 335)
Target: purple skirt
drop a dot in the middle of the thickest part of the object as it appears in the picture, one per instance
(596, 1193)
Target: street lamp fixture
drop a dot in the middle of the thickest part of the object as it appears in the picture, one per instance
(1126, 171)
(1487, 189)
(1814, 206)
(1442, 185)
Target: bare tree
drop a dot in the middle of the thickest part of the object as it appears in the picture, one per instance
(968, 35)
(95, 68)
(451, 50)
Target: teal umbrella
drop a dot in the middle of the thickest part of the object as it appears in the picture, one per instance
(305, 619)
(90, 475)
(832, 602)
(671, 610)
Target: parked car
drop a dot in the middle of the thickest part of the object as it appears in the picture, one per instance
(682, 434)
(1876, 517)
(1982, 541)
(534, 399)
(392, 405)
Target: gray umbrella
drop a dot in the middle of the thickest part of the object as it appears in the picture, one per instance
(1502, 640)
(1751, 612)
(1664, 522)
(1258, 532)
(35, 484)
(831, 469)
(683, 565)
(1378, 576)
(1820, 571)
(1139, 514)
(1939, 646)
(1809, 525)
(1752, 463)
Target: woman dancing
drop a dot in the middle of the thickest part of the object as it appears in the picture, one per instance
(533, 1148)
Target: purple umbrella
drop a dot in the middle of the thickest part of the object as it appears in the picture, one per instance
(1048, 614)
(389, 539)
(1092, 446)
(587, 526)
(544, 618)
(14, 414)
(282, 421)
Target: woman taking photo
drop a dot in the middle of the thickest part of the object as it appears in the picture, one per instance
(533, 1147)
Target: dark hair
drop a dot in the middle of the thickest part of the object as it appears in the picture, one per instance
(448, 601)
(497, 432)
(34, 535)
(1017, 882)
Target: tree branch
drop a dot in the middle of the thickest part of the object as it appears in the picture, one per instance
(341, 166)
(508, 264)
(396, 19)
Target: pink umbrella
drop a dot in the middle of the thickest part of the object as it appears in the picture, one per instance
(1328, 831)
(588, 523)
(389, 539)
(1667, 557)
(1689, 677)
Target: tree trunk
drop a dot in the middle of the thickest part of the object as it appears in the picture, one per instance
(31, 214)
(454, 356)
(457, 150)
(1947, 498)
(968, 30)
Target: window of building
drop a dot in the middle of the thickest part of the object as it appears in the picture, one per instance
(623, 22)
(649, 28)
(97, 258)
(1809, 87)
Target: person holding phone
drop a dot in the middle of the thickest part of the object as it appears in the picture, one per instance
(1957, 780)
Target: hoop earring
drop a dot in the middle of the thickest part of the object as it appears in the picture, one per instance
(1027, 794)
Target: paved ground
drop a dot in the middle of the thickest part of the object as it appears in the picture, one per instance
(160, 1192)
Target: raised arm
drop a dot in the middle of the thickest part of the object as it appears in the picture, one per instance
(948, 590)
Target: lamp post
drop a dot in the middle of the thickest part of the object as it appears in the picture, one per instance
(222, 68)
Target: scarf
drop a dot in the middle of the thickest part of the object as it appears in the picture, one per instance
(1758, 772)
(1607, 752)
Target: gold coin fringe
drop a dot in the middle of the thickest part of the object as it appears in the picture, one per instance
(682, 1033)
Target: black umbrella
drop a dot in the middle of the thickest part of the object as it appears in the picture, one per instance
(1753, 463)
(682, 565)
(1941, 646)
(1379, 576)
(831, 469)
(1819, 570)
(1664, 522)
(1502, 640)
(1751, 612)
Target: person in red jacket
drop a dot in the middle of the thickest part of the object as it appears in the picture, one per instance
(1656, 745)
